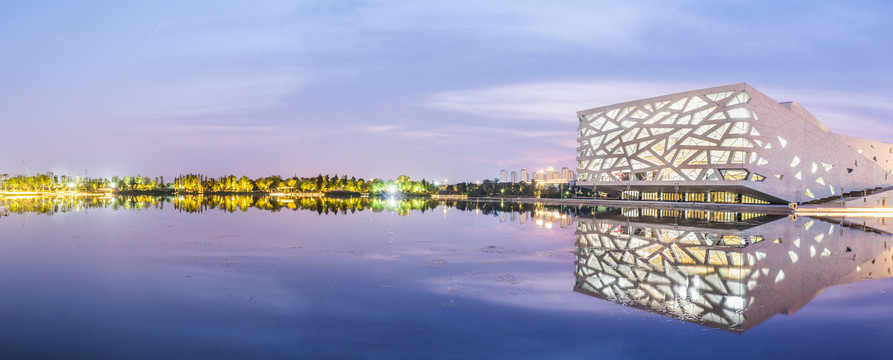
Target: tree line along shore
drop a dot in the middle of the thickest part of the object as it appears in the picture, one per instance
(320, 185)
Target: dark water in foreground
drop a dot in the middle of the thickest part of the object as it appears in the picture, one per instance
(264, 278)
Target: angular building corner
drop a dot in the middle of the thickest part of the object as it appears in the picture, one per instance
(727, 144)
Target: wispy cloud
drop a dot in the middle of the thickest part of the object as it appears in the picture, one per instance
(850, 112)
(548, 101)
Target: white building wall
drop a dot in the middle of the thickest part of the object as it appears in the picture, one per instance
(695, 138)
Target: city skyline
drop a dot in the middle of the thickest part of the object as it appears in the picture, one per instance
(381, 89)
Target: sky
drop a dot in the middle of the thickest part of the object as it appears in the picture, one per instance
(454, 90)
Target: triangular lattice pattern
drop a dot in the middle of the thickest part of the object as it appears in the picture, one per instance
(698, 137)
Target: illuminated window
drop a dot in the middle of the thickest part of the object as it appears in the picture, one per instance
(798, 176)
(739, 113)
(684, 154)
(694, 103)
(719, 132)
(820, 180)
(809, 193)
(719, 96)
(692, 174)
(700, 159)
(827, 166)
(814, 167)
(734, 174)
(719, 157)
(589, 117)
(783, 142)
(737, 142)
(741, 98)
(690, 141)
(739, 128)
(668, 174)
(757, 177)
(795, 161)
(678, 104)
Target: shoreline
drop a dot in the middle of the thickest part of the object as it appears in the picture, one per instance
(744, 208)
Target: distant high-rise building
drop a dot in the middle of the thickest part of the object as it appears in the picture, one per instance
(525, 177)
(514, 176)
(503, 176)
(567, 174)
(549, 173)
(539, 175)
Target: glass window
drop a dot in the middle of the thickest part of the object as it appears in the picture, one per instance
(719, 132)
(739, 128)
(734, 174)
(692, 174)
(739, 113)
(737, 142)
(700, 159)
(678, 104)
(719, 156)
(741, 98)
(589, 117)
(694, 103)
(719, 96)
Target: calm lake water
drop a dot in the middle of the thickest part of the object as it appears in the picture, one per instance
(263, 278)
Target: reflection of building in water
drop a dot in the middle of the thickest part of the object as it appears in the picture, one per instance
(547, 218)
(727, 275)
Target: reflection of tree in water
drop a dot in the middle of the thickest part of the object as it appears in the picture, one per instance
(242, 203)
(334, 206)
(51, 205)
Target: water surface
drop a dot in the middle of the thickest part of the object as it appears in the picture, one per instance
(232, 277)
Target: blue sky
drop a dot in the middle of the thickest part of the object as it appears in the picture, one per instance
(436, 89)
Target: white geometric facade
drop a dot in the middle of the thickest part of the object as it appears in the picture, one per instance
(725, 144)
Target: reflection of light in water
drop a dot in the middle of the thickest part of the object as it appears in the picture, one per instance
(549, 225)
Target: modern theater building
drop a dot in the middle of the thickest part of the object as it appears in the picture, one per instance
(728, 144)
